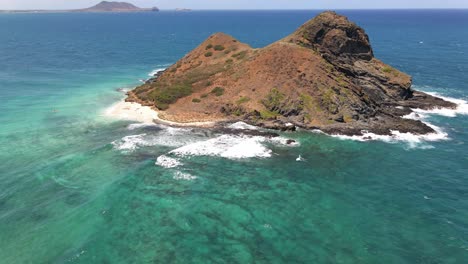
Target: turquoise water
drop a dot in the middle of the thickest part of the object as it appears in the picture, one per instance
(79, 187)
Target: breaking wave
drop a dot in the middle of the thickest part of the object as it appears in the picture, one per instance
(155, 71)
(415, 140)
(242, 126)
(167, 162)
(130, 143)
(227, 146)
(462, 107)
(178, 175)
(167, 136)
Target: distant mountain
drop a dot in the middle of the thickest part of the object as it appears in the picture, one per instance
(106, 6)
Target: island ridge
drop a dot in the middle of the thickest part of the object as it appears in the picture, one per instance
(323, 76)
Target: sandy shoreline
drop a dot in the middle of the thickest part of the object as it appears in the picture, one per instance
(145, 114)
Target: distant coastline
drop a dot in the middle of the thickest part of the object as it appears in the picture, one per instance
(104, 6)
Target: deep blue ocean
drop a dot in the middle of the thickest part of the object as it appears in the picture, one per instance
(77, 186)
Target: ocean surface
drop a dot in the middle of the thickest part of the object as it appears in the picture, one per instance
(79, 187)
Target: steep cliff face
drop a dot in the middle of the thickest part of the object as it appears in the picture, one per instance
(324, 76)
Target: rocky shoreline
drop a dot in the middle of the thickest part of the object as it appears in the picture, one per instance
(392, 120)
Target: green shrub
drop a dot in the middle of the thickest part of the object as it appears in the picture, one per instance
(196, 100)
(209, 54)
(243, 100)
(240, 55)
(266, 114)
(387, 69)
(204, 95)
(209, 46)
(164, 97)
(273, 99)
(218, 91)
(238, 112)
(229, 61)
(227, 51)
(219, 47)
(208, 83)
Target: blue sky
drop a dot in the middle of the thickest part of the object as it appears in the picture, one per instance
(242, 4)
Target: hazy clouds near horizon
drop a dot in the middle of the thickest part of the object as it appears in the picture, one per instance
(241, 4)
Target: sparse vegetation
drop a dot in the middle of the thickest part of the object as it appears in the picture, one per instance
(219, 47)
(387, 69)
(218, 91)
(267, 114)
(240, 55)
(209, 54)
(243, 100)
(208, 83)
(229, 61)
(341, 81)
(238, 112)
(209, 46)
(204, 95)
(273, 99)
(196, 100)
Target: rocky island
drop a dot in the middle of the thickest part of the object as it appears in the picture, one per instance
(104, 6)
(323, 76)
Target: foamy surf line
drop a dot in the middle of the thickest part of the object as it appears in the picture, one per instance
(156, 71)
(234, 147)
(462, 107)
(415, 140)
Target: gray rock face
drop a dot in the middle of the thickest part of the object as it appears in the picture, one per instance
(334, 35)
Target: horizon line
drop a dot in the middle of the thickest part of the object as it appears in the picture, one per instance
(263, 9)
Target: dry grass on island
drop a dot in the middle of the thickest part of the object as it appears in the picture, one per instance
(323, 76)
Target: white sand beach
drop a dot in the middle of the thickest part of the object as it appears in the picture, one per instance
(145, 114)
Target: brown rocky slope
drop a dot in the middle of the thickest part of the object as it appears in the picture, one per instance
(323, 76)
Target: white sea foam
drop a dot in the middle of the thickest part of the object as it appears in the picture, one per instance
(283, 141)
(414, 140)
(140, 125)
(167, 162)
(155, 71)
(462, 107)
(227, 146)
(130, 143)
(178, 175)
(168, 137)
(242, 126)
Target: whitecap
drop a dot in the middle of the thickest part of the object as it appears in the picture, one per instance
(140, 125)
(227, 146)
(462, 107)
(167, 137)
(167, 162)
(178, 175)
(413, 140)
(283, 141)
(130, 143)
(156, 71)
(242, 126)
